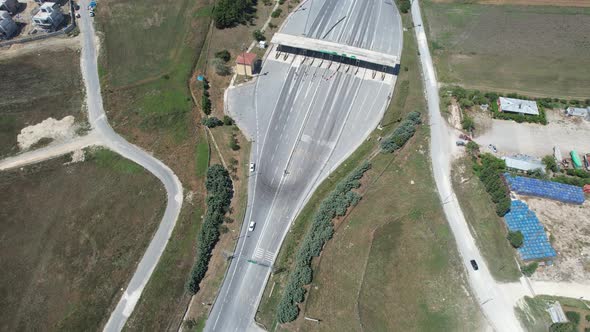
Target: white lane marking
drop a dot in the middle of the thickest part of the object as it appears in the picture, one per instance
(259, 253)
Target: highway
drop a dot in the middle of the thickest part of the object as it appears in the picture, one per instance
(305, 116)
(496, 305)
(100, 126)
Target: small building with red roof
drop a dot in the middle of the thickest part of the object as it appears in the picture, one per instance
(246, 64)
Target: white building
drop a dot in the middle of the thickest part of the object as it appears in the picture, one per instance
(524, 163)
(520, 106)
(7, 26)
(579, 112)
(49, 16)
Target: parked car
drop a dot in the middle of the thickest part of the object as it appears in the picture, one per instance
(251, 226)
(460, 143)
(474, 265)
(252, 167)
(493, 148)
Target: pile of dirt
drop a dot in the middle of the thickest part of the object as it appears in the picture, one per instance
(569, 229)
(57, 130)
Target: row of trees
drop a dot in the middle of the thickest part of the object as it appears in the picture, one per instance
(490, 173)
(320, 231)
(219, 194)
(402, 133)
(229, 13)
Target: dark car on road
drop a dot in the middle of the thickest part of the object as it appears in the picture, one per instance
(474, 265)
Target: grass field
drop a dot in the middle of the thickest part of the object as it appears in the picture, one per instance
(488, 229)
(536, 50)
(35, 88)
(392, 263)
(71, 238)
(146, 65)
(570, 3)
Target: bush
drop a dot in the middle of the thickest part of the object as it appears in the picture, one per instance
(276, 13)
(516, 239)
(472, 148)
(401, 134)
(221, 68)
(404, 6)
(573, 317)
(319, 232)
(258, 35)
(587, 318)
(233, 143)
(227, 120)
(206, 104)
(490, 172)
(562, 327)
(574, 181)
(529, 269)
(212, 122)
(223, 55)
(219, 194)
(550, 163)
(468, 123)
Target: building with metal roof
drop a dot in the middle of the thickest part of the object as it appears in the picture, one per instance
(524, 163)
(521, 106)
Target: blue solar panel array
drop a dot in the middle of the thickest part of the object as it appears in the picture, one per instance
(536, 245)
(547, 189)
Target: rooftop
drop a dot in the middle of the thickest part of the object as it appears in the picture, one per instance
(578, 111)
(524, 163)
(514, 105)
(246, 59)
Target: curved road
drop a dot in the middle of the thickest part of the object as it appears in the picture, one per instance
(498, 308)
(100, 125)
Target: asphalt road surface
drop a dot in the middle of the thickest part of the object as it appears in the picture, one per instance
(113, 141)
(304, 120)
(367, 24)
(497, 307)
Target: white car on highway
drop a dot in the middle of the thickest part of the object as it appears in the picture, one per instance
(251, 226)
(252, 167)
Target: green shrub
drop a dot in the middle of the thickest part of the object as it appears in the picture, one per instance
(229, 13)
(227, 120)
(516, 239)
(258, 35)
(223, 55)
(404, 6)
(219, 194)
(468, 123)
(529, 269)
(276, 13)
(402, 133)
(562, 327)
(550, 163)
(206, 104)
(490, 172)
(212, 122)
(587, 318)
(574, 181)
(319, 232)
(573, 317)
(233, 143)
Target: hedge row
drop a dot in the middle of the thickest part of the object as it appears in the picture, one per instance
(402, 133)
(490, 173)
(219, 194)
(320, 231)
(571, 180)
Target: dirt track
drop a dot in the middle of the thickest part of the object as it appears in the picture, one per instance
(563, 3)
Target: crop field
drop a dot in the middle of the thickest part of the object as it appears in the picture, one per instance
(564, 3)
(71, 238)
(392, 263)
(35, 87)
(535, 50)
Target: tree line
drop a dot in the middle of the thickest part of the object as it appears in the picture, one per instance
(320, 231)
(402, 133)
(490, 172)
(229, 13)
(219, 194)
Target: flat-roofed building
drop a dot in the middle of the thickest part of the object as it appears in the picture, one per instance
(519, 106)
(524, 163)
(580, 112)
